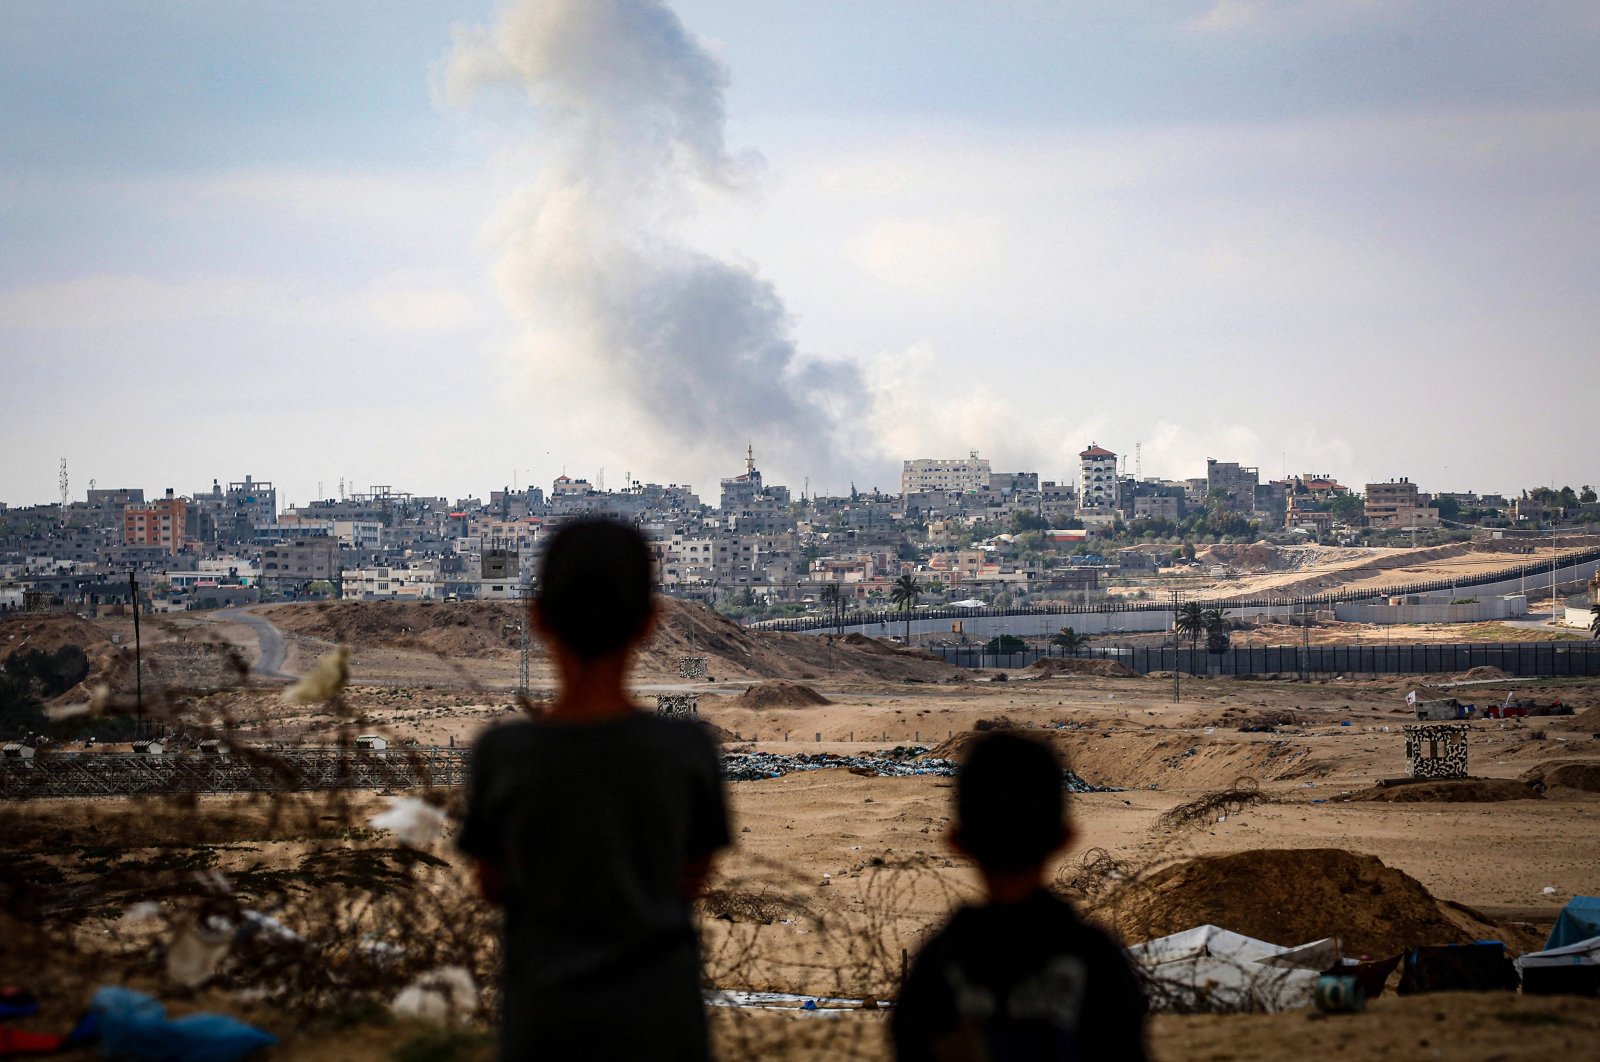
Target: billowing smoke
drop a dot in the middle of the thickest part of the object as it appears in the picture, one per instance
(636, 336)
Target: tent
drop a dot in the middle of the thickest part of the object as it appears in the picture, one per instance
(1209, 968)
(1570, 970)
(1579, 920)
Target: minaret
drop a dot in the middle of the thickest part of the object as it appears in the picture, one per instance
(749, 459)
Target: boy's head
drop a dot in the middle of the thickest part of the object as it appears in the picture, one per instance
(595, 588)
(1010, 811)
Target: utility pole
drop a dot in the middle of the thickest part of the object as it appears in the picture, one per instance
(1177, 689)
(138, 661)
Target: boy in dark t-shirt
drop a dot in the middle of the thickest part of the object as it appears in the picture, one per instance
(595, 827)
(1021, 977)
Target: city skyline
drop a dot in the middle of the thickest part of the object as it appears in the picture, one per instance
(1343, 238)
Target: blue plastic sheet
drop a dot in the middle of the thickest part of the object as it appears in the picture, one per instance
(1578, 921)
(135, 1027)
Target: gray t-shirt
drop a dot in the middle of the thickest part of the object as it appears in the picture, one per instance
(593, 825)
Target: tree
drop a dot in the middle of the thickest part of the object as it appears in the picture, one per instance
(1347, 507)
(834, 599)
(1070, 640)
(1594, 622)
(906, 593)
(1190, 622)
(1217, 636)
(1024, 520)
(1004, 643)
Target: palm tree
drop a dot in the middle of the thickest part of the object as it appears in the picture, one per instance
(907, 591)
(1190, 621)
(1070, 640)
(1594, 623)
(831, 597)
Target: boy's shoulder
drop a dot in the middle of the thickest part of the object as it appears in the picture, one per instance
(647, 728)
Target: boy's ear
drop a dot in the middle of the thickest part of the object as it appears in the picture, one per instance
(952, 837)
(652, 620)
(1069, 836)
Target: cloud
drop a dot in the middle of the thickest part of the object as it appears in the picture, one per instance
(681, 353)
(1263, 17)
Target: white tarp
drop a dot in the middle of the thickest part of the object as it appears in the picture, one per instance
(1583, 953)
(1209, 968)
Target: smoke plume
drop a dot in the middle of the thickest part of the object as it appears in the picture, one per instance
(636, 334)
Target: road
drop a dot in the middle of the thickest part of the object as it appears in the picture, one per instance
(269, 642)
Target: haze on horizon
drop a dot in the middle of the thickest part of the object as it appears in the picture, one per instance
(455, 246)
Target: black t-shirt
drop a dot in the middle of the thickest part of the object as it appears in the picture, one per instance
(593, 825)
(1023, 981)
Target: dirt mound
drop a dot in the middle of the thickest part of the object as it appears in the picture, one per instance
(688, 628)
(455, 628)
(958, 745)
(1572, 774)
(109, 663)
(1291, 896)
(1449, 791)
(487, 628)
(1587, 721)
(780, 694)
(1483, 674)
(1055, 665)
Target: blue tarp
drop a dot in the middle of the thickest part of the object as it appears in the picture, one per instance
(1579, 920)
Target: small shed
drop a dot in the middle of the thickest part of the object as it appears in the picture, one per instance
(1436, 750)
(214, 747)
(16, 750)
(372, 742)
(149, 747)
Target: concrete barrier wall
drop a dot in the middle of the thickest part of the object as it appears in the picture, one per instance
(1484, 609)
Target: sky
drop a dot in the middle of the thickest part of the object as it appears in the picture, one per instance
(466, 245)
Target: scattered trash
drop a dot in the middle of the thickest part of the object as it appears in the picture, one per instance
(142, 911)
(1334, 994)
(136, 1028)
(753, 766)
(1549, 890)
(445, 996)
(415, 823)
(196, 950)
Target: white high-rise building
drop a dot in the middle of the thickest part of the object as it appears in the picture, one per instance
(1097, 471)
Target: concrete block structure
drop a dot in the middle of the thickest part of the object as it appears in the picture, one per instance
(1436, 750)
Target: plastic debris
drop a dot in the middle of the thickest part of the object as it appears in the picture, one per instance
(143, 911)
(445, 996)
(196, 950)
(1549, 890)
(753, 766)
(415, 823)
(136, 1028)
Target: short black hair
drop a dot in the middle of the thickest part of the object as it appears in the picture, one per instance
(595, 586)
(1009, 802)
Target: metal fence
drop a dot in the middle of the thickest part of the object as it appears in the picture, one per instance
(1554, 659)
(74, 774)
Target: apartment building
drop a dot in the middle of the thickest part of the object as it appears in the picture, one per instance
(162, 523)
(930, 474)
(1397, 504)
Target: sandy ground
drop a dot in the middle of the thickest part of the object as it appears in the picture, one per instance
(843, 871)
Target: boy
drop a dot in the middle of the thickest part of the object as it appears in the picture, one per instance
(1020, 977)
(595, 826)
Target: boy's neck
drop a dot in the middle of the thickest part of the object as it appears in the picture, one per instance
(1012, 886)
(591, 689)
